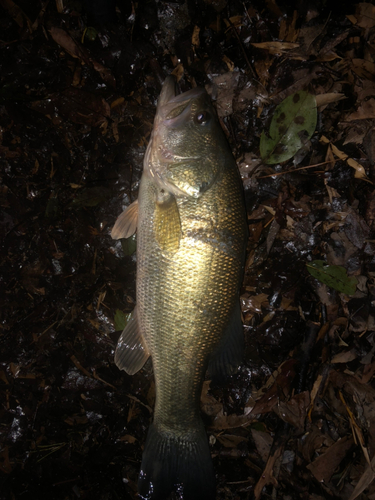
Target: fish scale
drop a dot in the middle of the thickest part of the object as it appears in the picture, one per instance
(191, 238)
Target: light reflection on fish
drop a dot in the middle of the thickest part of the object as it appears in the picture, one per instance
(191, 236)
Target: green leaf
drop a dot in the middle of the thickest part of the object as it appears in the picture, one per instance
(91, 197)
(129, 245)
(121, 319)
(52, 208)
(333, 276)
(291, 127)
(90, 33)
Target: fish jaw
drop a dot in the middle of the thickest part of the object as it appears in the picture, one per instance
(168, 159)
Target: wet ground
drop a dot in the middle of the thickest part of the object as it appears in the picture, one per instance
(78, 89)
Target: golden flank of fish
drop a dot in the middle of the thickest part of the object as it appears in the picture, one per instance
(191, 235)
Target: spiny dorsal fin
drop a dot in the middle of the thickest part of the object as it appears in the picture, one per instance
(131, 350)
(126, 223)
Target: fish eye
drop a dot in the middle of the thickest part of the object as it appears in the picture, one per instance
(202, 117)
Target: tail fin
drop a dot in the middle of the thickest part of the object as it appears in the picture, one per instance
(176, 463)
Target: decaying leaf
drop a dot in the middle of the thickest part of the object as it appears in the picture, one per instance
(366, 479)
(291, 127)
(364, 15)
(324, 466)
(324, 99)
(263, 442)
(275, 47)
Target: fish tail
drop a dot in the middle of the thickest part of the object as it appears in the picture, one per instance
(176, 463)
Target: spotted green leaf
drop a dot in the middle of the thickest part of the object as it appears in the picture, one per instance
(291, 127)
(333, 276)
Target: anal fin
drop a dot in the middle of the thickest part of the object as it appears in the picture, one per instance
(131, 350)
(228, 355)
(126, 223)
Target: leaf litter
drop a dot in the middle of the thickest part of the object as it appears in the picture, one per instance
(78, 91)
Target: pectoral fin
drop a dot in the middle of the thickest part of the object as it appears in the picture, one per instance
(168, 225)
(131, 351)
(229, 353)
(126, 223)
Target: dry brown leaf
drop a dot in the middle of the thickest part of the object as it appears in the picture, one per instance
(359, 170)
(128, 439)
(228, 62)
(288, 31)
(366, 479)
(324, 466)
(222, 421)
(363, 68)
(356, 430)
(364, 16)
(294, 411)
(261, 67)
(344, 357)
(267, 476)
(364, 393)
(324, 99)
(16, 13)
(280, 388)
(365, 111)
(340, 249)
(368, 373)
(263, 442)
(254, 303)
(230, 440)
(209, 405)
(69, 44)
(356, 133)
(76, 420)
(276, 48)
(195, 36)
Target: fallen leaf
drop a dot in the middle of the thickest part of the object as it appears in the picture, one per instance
(366, 111)
(294, 411)
(359, 170)
(344, 357)
(292, 125)
(324, 466)
(267, 476)
(263, 442)
(366, 479)
(324, 99)
(364, 15)
(276, 48)
(230, 440)
(333, 276)
(128, 439)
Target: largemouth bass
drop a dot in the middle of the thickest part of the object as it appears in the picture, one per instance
(191, 236)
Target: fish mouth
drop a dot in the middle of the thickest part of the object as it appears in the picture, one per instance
(169, 95)
(171, 111)
(173, 108)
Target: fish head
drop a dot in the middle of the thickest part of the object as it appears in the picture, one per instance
(184, 151)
